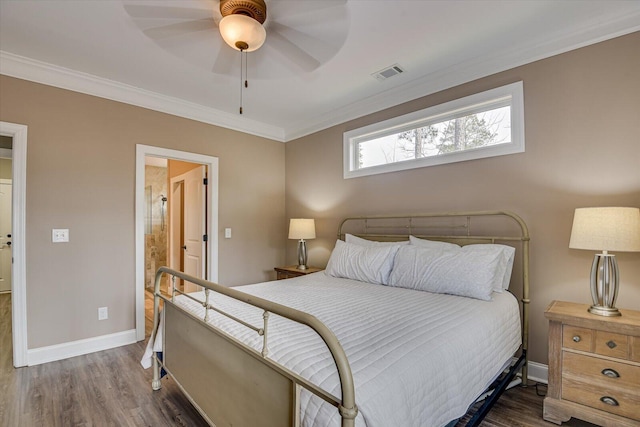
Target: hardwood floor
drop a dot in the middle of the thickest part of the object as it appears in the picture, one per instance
(110, 388)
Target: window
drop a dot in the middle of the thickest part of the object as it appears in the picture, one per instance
(486, 124)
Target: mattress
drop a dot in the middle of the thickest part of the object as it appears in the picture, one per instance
(417, 358)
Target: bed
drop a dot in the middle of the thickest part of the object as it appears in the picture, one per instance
(337, 348)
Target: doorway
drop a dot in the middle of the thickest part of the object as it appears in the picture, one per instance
(6, 204)
(18, 135)
(207, 262)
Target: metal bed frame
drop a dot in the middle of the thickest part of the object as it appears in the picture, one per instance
(231, 383)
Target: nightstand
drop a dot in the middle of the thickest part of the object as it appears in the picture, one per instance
(594, 366)
(292, 271)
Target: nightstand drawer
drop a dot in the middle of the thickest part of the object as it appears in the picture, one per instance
(612, 345)
(602, 371)
(622, 401)
(577, 338)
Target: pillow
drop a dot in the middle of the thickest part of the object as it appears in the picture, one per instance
(465, 273)
(350, 238)
(507, 254)
(370, 264)
(432, 243)
(506, 263)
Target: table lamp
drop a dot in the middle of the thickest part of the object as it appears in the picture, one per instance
(606, 229)
(302, 228)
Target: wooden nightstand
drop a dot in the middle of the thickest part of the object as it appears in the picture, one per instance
(292, 271)
(594, 366)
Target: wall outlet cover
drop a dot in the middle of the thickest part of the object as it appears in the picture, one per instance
(60, 235)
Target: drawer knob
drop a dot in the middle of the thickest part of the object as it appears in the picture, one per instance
(611, 373)
(609, 401)
(611, 345)
(576, 338)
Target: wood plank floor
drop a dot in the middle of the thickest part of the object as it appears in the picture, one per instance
(110, 388)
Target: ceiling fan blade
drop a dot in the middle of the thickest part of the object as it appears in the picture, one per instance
(282, 8)
(280, 37)
(179, 28)
(140, 11)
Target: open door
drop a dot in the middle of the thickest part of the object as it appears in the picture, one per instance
(188, 232)
(5, 235)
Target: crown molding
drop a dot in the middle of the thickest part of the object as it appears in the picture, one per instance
(471, 70)
(41, 72)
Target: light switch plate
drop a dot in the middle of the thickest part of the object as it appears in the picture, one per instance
(60, 235)
(227, 233)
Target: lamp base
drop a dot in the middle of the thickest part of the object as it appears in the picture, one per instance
(302, 255)
(604, 311)
(604, 285)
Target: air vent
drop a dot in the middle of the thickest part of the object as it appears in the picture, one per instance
(385, 73)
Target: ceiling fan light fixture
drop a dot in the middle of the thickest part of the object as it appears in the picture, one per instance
(242, 32)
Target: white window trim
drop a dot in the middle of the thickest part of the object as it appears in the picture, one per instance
(440, 112)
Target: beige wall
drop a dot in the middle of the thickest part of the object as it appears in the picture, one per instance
(582, 149)
(80, 175)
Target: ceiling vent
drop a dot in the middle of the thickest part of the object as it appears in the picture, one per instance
(385, 73)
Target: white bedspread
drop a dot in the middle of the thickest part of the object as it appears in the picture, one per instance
(418, 359)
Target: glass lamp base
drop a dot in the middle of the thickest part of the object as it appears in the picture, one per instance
(604, 285)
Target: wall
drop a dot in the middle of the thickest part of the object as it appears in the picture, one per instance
(582, 149)
(80, 175)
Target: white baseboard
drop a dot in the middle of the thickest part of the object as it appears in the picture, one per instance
(538, 372)
(37, 356)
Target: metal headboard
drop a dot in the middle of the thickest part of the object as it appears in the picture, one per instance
(454, 227)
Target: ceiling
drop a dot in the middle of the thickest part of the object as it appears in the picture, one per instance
(314, 71)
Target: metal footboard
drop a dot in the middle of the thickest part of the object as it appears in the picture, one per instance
(229, 382)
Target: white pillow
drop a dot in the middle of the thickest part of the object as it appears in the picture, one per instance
(350, 238)
(466, 273)
(370, 264)
(506, 263)
(432, 243)
(506, 260)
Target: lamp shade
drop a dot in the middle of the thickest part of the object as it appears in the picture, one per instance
(606, 229)
(242, 32)
(302, 228)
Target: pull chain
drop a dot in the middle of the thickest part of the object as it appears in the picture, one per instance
(241, 51)
(243, 69)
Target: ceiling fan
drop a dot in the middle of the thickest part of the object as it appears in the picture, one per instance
(300, 35)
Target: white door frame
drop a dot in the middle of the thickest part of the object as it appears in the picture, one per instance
(211, 164)
(19, 268)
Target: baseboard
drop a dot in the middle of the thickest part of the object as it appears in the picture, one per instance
(52, 353)
(538, 372)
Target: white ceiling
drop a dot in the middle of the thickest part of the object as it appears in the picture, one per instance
(316, 67)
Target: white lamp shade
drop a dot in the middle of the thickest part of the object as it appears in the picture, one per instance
(606, 229)
(302, 228)
(241, 28)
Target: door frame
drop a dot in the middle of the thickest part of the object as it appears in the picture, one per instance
(211, 164)
(19, 267)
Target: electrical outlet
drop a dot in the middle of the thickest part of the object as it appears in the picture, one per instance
(227, 233)
(103, 313)
(60, 235)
